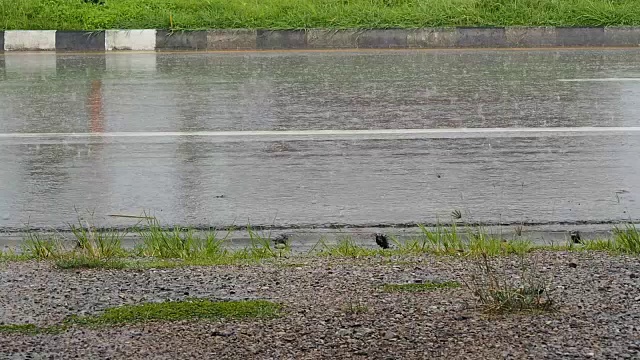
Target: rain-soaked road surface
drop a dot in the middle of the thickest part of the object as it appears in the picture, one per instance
(309, 137)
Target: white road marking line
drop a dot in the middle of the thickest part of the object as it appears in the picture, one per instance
(315, 134)
(599, 79)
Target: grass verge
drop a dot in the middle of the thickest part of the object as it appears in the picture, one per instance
(40, 246)
(625, 240)
(84, 262)
(96, 244)
(299, 14)
(420, 287)
(191, 309)
(158, 248)
(179, 243)
(346, 247)
(498, 292)
(167, 248)
(451, 240)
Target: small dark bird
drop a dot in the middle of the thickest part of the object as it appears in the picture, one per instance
(382, 241)
(95, 2)
(575, 237)
(281, 240)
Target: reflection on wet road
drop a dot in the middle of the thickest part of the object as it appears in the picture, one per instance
(221, 138)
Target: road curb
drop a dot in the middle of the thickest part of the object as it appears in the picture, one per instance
(79, 41)
(307, 238)
(246, 39)
(167, 40)
(30, 40)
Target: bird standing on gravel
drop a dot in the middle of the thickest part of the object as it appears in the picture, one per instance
(382, 241)
(281, 241)
(575, 237)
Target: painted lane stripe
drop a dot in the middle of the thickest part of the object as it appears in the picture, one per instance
(599, 79)
(315, 134)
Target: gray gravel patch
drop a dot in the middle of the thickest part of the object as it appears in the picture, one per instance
(598, 317)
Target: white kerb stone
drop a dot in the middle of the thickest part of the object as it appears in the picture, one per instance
(130, 40)
(25, 40)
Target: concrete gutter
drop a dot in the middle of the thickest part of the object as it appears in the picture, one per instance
(305, 239)
(245, 39)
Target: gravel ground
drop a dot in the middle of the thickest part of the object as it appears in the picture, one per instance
(598, 316)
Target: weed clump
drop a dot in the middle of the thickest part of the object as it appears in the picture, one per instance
(355, 307)
(263, 247)
(178, 243)
(346, 247)
(40, 246)
(451, 240)
(496, 293)
(627, 239)
(96, 244)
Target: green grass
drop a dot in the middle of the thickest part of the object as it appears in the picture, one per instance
(40, 246)
(420, 287)
(452, 240)
(345, 247)
(11, 255)
(97, 244)
(83, 262)
(625, 240)
(90, 243)
(192, 309)
(20, 328)
(509, 300)
(598, 245)
(182, 310)
(159, 247)
(203, 247)
(437, 240)
(31, 329)
(262, 248)
(239, 257)
(355, 307)
(441, 239)
(298, 14)
(179, 243)
(498, 292)
(482, 243)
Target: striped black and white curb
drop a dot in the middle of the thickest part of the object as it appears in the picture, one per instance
(244, 39)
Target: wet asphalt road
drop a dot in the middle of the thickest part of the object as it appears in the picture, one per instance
(152, 134)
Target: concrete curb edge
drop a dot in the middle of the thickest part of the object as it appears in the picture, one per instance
(246, 39)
